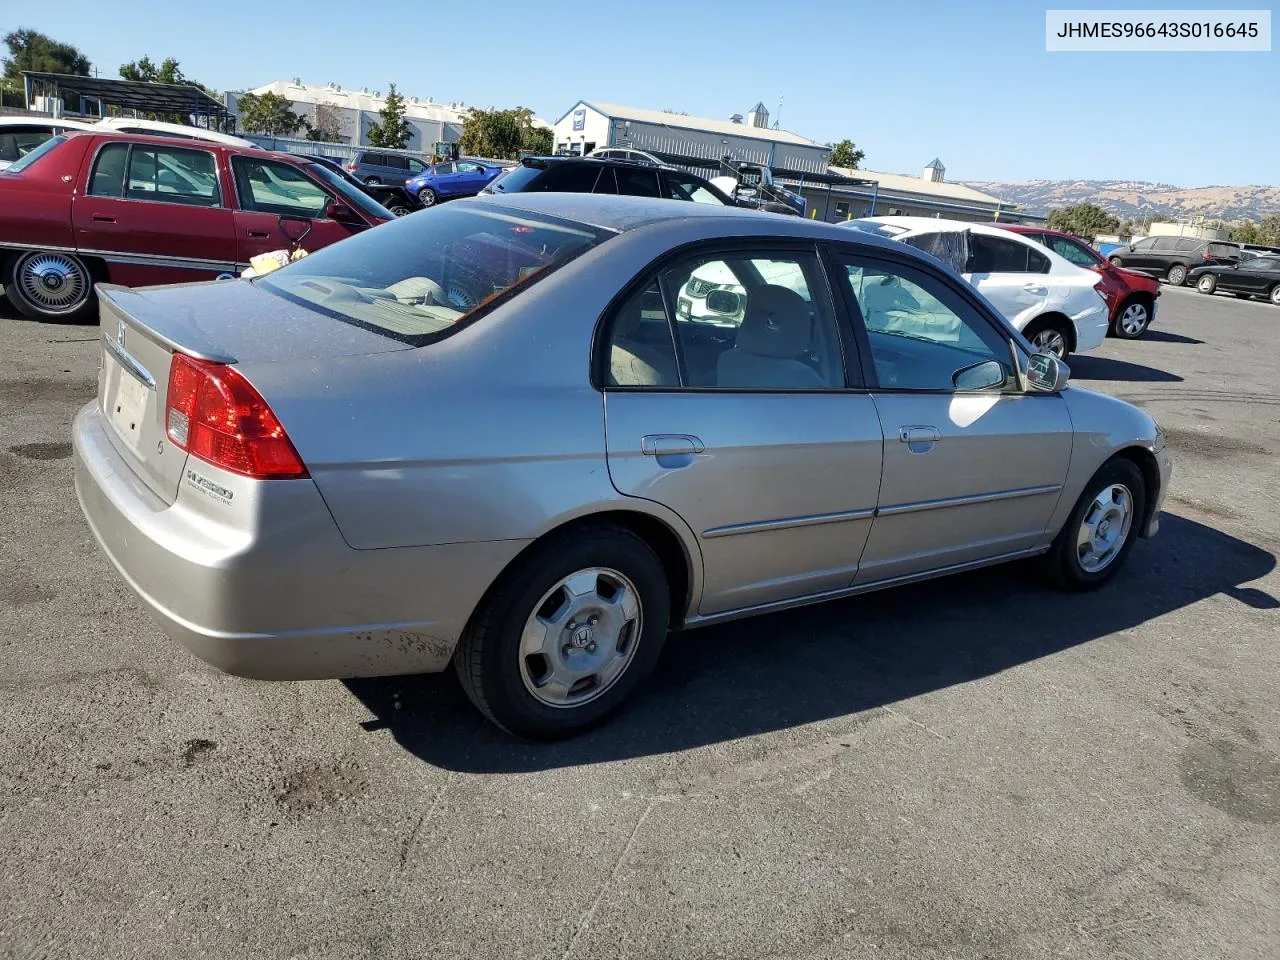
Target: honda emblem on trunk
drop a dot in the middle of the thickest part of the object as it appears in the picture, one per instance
(120, 333)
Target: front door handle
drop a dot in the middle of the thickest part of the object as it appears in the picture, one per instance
(919, 438)
(670, 445)
(103, 218)
(258, 234)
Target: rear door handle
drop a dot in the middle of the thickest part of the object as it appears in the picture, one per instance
(670, 445)
(258, 234)
(1034, 288)
(103, 218)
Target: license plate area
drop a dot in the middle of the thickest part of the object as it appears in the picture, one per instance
(125, 403)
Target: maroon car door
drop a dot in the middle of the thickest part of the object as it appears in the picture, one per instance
(155, 214)
(278, 204)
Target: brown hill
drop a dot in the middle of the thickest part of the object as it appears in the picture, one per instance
(1138, 201)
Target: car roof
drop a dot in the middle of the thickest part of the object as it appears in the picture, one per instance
(941, 225)
(50, 122)
(1029, 228)
(191, 143)
(603, 161)
(621, 213)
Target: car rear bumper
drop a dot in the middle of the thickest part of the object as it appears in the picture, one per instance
(1165, 465)
(287, 599)
(1091, 326)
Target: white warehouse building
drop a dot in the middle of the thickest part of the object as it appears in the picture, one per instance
(348, 114)
(590, 125)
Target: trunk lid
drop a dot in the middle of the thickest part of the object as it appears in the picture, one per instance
(227, 322)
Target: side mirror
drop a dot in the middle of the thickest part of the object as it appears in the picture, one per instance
(1046, 373)
(723, 301)
(980, 376)
(341, 213)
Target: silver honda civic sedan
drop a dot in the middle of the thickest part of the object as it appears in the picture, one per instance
(531, 434)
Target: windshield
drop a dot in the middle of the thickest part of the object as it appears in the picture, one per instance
(415, 279)
(36, 153)
(879, 229)
(352, 194)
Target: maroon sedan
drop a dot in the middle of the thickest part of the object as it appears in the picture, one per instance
(1131, 296)
(88, 208)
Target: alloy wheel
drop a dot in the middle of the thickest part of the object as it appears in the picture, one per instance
(581, 637)
(1050, 340)
(1206, 283)
(1104, 528)
(1275, 294)
(1177, 275)
(427, 197)
(1134, 319)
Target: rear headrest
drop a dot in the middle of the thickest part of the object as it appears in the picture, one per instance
(776, 324)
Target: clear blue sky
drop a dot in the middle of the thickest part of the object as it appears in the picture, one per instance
(907, 81)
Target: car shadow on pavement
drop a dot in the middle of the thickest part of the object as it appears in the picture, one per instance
(1164, 336)
(836, 659)
(1106, 368)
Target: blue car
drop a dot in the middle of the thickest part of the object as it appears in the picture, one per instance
(453, 178)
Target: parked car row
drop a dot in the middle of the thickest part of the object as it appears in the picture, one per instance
(1255, 277)
(1173, 258)
(85, 208)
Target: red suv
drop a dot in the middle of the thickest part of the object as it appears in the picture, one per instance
(89, 208)
(1131, 297)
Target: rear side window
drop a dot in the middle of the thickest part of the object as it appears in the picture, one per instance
(396, 162)
(637, 182)
(1224, 250)
(684, 187)
(108, 171)
(515, 180)
(998, 255)
(1165, 244)
(1071, 251)
(557, 178)
(170, 175)
(17, 143)
(374, 159)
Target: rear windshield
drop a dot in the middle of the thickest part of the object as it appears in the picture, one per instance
(418, 278)
(514, 180)
(35, 154)
(878, 229)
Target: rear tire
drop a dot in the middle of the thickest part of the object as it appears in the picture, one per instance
(1274, 295)
(550, 651)
(1177, 275)
(1207, 284)
(373, 181)
(1049, 336)
(48, 285)
(1098, 535)
(399, 208)
(1117, 261)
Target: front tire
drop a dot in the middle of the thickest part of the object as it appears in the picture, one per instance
(1117, 261)
(373, 181)
(1133, 320)
(427, 197)
(1099, 534)
(1274, 295)
(1207, 284)
(48, 285)
(1177, 275)
(567, 634)
(399, 208)
(1049, 336)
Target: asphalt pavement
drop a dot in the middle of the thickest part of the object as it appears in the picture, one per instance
(973, 768)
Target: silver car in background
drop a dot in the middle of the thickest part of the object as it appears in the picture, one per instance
(485, 435)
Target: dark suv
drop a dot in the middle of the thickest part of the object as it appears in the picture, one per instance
(595, 175)
(1174, 257)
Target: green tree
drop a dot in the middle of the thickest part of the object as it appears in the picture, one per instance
(503, 134)
(169, 71)
(268, 113)
(31, 50)
(393, 131)
(1270, 229)
(845, 154)
(1084, 220)
(1247, 232)
(1126, 230)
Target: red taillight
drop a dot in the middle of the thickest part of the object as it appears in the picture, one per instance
(351, 167)
(213, 413)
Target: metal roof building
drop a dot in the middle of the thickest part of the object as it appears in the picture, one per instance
(591, 124)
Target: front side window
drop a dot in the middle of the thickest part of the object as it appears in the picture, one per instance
(171, 175)
(267, 186)
(742, 322)
(416, 278)
(416, 166)
(468, 167)
(1072, 252)
(683, 187)
(922, 335)
(108, 171)
(443, 168)
(1264, 263)
(1147, 243)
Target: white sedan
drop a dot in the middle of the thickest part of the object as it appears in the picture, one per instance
(1055, 304)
